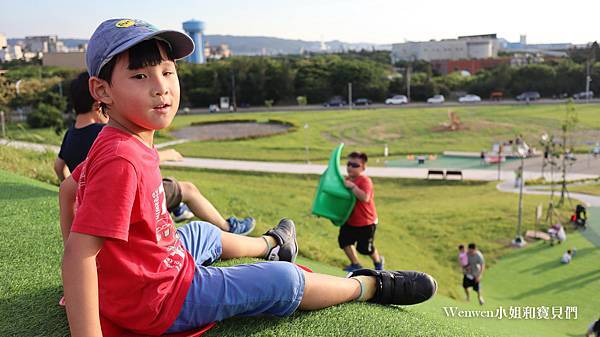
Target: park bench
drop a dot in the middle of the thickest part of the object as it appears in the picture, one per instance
(436, 173)
(454, 173)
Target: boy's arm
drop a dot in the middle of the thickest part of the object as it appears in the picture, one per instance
(61, 169)
(80, 280)
(360, 194)
(66, 201)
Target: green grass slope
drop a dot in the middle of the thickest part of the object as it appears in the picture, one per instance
(30, 285)
(533, 277)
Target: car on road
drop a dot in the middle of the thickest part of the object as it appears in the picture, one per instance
(469, 98)
(584, 95)
(335, 101)
(397, 99)
(213, 108)
(528, 96)
(436, 99)
(362, 101)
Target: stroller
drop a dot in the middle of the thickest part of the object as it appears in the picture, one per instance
(579, 219)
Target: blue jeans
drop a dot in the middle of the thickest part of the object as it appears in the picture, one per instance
(216, 293)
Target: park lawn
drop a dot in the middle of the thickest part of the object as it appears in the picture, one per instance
(421, 222)
(592, 189)
(527, 277)
(405, 130)
(33, 292)
(534, 277)
(30, 285)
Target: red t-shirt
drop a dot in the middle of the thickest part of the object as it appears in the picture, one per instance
(144, 272)
(364, 213)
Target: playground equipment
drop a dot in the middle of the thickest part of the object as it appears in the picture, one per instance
(333, 200)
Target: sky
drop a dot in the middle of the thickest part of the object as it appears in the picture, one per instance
(374, 21)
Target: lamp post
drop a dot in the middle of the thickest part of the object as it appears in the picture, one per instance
(522, 150)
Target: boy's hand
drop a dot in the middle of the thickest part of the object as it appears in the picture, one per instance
(348, 183)
(170, 155)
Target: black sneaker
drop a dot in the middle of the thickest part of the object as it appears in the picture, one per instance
(400, 287)
(287, 246)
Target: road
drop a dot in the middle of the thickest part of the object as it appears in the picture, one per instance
(319, 107)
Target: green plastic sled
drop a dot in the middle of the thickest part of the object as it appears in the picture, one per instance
(333, 200)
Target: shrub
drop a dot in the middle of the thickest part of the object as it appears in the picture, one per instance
(45, 115)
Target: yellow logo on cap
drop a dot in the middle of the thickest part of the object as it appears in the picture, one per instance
(125, 23)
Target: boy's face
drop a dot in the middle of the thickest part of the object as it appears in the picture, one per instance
(355, 167)
(147, 97)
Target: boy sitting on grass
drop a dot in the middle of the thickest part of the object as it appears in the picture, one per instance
(125, 262)
(76, 144)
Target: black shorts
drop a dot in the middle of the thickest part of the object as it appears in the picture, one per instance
(173, 195)
(362, 236)
(467, 282)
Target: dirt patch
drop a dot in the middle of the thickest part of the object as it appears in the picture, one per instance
(231, 130)
(472, 126)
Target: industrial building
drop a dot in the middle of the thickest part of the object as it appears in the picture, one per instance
(465, 47)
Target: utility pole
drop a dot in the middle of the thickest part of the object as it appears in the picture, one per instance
(2, 122)
(408, 73)
(350, 95)
(588, 79)
(233, 91)
(499, 160)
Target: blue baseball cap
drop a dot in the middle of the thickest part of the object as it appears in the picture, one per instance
(115, 36)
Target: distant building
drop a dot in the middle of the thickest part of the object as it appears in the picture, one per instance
(3, 41)
(44, 44)
(74, 60)
(465, 47)
(471, 66)
(11, 53)
(217, 52)
(549, 49)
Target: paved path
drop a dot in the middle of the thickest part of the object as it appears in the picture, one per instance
(388, 172)
(279, 167)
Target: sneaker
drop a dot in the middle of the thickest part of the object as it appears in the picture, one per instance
(400, 287)
(182, 212)
(241, 226)
(481, 301)
(352, 267)
(287, 246)
(379, 265)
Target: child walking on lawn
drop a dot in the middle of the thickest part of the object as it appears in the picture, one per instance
(124, 261)
(360, 227)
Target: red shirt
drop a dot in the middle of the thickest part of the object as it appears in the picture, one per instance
(144, 272)
(364, 213)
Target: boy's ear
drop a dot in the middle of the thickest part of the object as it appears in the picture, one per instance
(100, 90)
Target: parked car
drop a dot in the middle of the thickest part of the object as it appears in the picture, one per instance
(362, 101)
(335, 101)
(213, 108)
(436, 99)
(584, 95)
(496, 95)
(528, 96)
(469, 98)
(397, 99)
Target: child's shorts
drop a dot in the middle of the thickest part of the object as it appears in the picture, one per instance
(216, 293)
(362, 236)
(173, 194)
